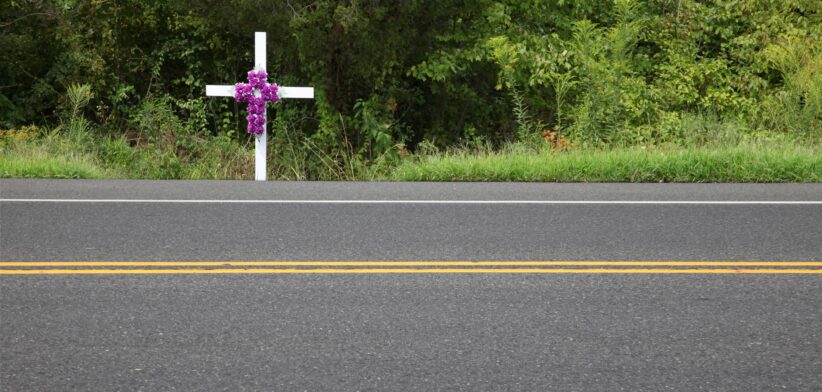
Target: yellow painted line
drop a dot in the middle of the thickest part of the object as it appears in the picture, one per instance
(283, 271)
(406, 263)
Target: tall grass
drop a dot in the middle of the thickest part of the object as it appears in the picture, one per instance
(744, 163)
(162, 148)
(33, 161)
(31, 152)
(52, 157)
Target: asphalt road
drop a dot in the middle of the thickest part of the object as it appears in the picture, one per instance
(410, 331)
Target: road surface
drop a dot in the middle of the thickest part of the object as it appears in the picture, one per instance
(143, 285)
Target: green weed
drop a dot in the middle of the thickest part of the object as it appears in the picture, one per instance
(744, 163)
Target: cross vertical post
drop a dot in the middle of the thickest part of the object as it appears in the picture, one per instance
(260, 145)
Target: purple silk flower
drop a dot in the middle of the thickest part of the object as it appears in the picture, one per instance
(246, 92)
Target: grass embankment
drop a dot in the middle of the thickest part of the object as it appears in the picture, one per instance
(53, 155)
(34, 154)
(787, 163)
(39, 163)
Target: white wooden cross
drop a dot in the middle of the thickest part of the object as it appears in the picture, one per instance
(283, 92)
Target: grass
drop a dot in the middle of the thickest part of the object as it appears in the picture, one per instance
(717, 152)
(30, 161)
(60, 154)
(783, 163)
(81, 155)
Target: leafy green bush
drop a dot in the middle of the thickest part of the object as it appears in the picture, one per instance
(797, 106)
(392, 75)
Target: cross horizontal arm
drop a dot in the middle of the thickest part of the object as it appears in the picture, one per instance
(296, 92)
(213, 90)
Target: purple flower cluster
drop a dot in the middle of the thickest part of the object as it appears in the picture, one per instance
(247, 92)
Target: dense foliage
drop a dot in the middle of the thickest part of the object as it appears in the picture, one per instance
(418, 73)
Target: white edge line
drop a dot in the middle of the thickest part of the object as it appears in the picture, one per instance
(287, 201)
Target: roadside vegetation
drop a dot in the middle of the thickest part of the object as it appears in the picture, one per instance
(506, 90)
(730, 164)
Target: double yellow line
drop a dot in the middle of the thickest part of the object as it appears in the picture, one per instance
(408, 267)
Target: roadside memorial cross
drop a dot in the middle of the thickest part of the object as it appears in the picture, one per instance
(257, 92)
